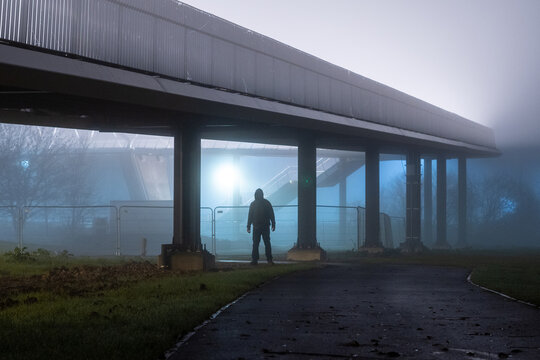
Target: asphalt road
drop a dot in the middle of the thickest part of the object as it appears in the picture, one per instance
(370, 312)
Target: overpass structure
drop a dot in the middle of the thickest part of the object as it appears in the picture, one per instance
(163, 67)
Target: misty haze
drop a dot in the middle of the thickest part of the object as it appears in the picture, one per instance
(395, 143)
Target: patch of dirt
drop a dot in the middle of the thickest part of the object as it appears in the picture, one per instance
(76, 281)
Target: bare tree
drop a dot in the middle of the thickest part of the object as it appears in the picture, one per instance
(41, 166)
(504, 210)
(393, 197)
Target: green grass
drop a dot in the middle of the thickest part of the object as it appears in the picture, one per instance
(10, 268)
(514, 273)
(139, 314)
(519, 279)
(139, 320)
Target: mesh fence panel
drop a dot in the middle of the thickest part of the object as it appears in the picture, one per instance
(144, 228)
(337, 228)
(9, 225)
(81, 230)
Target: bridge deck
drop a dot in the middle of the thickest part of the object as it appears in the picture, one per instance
(168, 55)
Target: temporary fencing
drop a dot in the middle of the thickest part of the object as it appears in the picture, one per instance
(140, 230)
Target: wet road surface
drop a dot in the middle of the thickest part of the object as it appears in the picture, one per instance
(370, 312)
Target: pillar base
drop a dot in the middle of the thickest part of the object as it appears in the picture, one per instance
(173, 257)
(372, 250)
(306, 254)
(412, 246)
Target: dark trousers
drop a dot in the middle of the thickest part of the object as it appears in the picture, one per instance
(265, 233)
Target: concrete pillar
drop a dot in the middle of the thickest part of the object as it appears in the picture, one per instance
(427, 235)
(373, 241)
(191, 190)
(177, 190)
(441, 242)
(412, 238)
(462, 202)
(238, 215)
(343, 212)
(307, 247)
(307, 194)
(185, 252)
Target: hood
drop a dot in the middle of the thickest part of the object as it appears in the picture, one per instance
(259, 194)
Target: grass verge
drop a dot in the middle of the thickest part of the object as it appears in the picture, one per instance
(137, 319)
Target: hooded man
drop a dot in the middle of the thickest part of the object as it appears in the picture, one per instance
(261, 214)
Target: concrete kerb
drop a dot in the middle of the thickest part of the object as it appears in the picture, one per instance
(469, 280)
(186, 337)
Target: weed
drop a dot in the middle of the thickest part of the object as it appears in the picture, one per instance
(19, 255)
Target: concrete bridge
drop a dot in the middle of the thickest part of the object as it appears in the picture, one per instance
(165, 68)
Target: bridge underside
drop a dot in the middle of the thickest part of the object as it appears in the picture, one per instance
(43, 89)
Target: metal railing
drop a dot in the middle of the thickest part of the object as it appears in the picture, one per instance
(139, 230)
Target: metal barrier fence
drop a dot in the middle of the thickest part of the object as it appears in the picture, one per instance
(337, 227)
(140, 230)
(81, 230)
(10, 227)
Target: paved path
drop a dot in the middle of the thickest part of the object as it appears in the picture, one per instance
(370, 312)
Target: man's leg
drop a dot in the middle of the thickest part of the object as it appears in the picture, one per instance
(256, 241)
(267, 246)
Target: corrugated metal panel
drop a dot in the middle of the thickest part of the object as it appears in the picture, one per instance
(173, 11)
(144, 5)
(169, 49)
(10, 20)
(346, 104)
(244, 70)
(223, 64)
(50, 24)
(324, 93)
(282, 79)
(357, 96)
(174, 39)
(335, 96)
(312, 90)
(265, 76)
(97, 35)
(136, 39)
(199, 57)
(298, 87)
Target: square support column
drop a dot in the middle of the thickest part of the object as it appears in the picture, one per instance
(186, 252)
(428, 201)
(343, 212)
(412, 239)
(462, 202)
(307, 247)
(441, 242)
(373, 242)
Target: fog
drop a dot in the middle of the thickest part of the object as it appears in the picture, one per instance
(97, 193)
(478, 59)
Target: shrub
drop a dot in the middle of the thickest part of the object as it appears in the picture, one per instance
(19, 255)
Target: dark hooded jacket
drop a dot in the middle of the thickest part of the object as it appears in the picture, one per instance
(261, 213)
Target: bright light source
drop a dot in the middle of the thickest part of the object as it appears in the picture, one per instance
(226, 177)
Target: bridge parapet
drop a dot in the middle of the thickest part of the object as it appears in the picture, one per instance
(175, 40)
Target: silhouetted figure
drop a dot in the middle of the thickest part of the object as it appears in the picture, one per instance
(261, 214)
